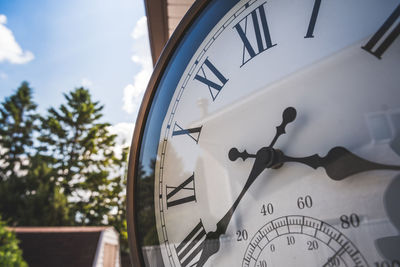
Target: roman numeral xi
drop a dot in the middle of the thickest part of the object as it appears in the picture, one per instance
(378, 49)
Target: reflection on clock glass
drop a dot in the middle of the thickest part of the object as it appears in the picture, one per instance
(280, 144)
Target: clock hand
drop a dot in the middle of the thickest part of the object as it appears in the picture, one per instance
(339, 163)
(212, 243)
(289, 114)
(263, 159)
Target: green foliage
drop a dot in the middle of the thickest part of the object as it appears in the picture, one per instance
(28, 194)
(85, 163)
(10, 254)
(60, 169)
(17, 122)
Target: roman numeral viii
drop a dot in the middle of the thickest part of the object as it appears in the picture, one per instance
(212, 77)
(254, 32)
(191, 246)
(378, 49)
(183, 193)
(193, 133)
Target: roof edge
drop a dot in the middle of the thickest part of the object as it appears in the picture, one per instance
(62, 229)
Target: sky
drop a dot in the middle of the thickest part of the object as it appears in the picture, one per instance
(57, 46)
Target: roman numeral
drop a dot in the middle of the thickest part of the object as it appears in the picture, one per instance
(372, 45)
(191, 246)
(260, 33)
(193, 133)
(215, 84)
(185, 193)
(313, 19)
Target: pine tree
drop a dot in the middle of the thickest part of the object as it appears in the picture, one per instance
(84, 158)
(28, 193)
(17, 124)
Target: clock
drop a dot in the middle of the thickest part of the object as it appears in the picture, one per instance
(269, 135)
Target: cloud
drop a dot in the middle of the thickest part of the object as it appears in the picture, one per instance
(86, 83)
(124, 132)
(10, 50)
(133, 93)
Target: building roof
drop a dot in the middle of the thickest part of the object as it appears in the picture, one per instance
(162, 18)
(59, 246)
(64, 229)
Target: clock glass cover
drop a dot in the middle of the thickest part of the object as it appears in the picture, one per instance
(271, 137)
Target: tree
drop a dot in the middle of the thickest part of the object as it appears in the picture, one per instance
(28, 193)
(84, 157)
(61, 169)
(44, 202)
(10, 253)
(17, 123)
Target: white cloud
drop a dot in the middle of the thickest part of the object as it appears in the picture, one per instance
(133, 93)
(85, 82)
(10, 50)
(124, 132)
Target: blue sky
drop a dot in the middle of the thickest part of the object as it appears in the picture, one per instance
(59, 45)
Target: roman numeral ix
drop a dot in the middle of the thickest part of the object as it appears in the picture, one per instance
(181, 194)
(258, 39)
(191, 246)
(216, 83)
(378, 49)
(193, 133)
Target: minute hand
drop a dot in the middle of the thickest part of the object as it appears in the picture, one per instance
(212, 243)
(339, 163)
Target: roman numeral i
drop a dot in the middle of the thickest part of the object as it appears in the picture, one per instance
(258, 40)
(313, 19)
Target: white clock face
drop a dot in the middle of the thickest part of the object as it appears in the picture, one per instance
(233, 189)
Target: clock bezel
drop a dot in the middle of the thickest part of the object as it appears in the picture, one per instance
(195, 11)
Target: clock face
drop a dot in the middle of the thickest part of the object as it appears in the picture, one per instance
(279, 144)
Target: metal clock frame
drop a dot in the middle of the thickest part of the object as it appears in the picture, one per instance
(160, 67)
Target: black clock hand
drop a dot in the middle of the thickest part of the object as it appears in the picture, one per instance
(339, 163)
(212, 243)
(289, 114)
(263, 160)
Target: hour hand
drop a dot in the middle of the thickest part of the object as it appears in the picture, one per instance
(339, 163)
(234, 154)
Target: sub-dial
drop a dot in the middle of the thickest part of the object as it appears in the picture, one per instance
(297, 240)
